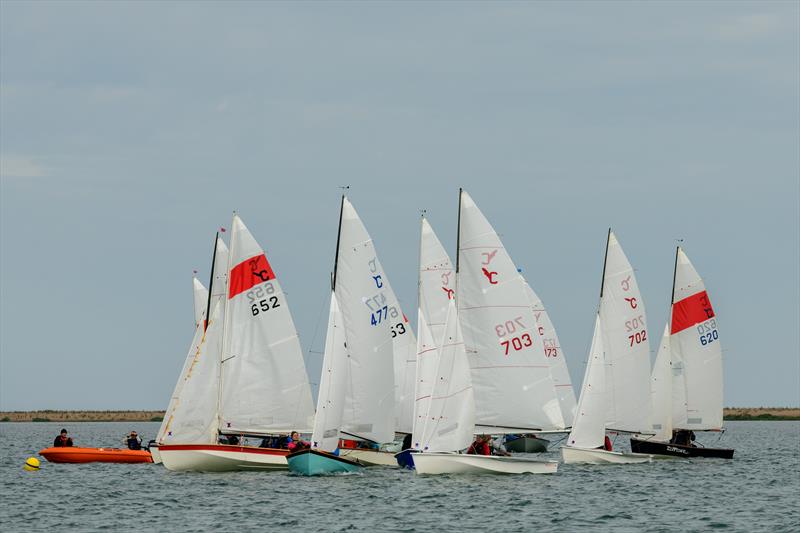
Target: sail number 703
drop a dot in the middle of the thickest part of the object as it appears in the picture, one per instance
(517, 343)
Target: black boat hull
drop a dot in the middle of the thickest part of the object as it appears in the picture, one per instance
(678, 450)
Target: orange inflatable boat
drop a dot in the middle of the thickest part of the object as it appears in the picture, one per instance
(72, 454)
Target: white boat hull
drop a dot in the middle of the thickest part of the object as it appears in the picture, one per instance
(573, 455)
(221, 458)
(155, 453)
(456, 463)
(369, 457)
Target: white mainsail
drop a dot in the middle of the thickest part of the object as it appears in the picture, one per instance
(555, 356)
(589, 428)
(368, 312)
(512, 383)
(661, 389)
(200, 301)
(696, 352)
(450, 420)
(332, 384)
(219, 276)
(627, 346)
(192, 417)
(436, 291)
(265, 387)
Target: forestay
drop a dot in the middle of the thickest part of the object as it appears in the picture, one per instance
(555, 356)
(368, 314)
(513, 387)
(696, 352)
(192, 415)
(627, 347)
(450, 421)
(265, 387)
(589, 429)
(436, 291)
(332, 385)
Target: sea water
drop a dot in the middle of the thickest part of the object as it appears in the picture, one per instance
(759, 490)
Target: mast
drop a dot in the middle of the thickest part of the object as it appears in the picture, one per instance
(605, 259)
(674, 275)
(338, 239)
(211, 283)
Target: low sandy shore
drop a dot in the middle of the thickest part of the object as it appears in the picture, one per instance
(730, 413)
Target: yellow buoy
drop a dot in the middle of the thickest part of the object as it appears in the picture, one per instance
(31, 465)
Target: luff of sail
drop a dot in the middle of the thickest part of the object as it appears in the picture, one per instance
(554, 354)
(627, 346)
(696, 351)
(451, 410)
(367, 313)
(589, 429)
(265, 387)
(193, 417)
(511, 379)
(332, 384)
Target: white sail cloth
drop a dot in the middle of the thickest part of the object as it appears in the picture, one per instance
(661, 389)
(332, 384)
(265, 387)
(368, 312)
(511, 378)
(435, 293)
(200, 294)
(192, 416)
(589, 428)
(555, 357)
(450, 419)
(625, 336)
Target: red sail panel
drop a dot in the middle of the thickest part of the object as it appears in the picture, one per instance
(249, 273)
(690, 312)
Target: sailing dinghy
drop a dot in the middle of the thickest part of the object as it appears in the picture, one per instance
(247, 378)
(687, 375)
(357, 394)
(615, 395)
(485, 391)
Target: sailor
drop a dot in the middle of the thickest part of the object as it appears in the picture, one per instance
(62, 440)
(607, 444)
(295, 444)
(406, 442)
(133, 441)
(480, 446)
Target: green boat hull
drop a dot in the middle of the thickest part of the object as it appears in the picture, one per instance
(317, 463)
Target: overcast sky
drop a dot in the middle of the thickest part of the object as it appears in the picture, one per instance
(131, 131)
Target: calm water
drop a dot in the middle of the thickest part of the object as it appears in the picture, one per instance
(757, 491)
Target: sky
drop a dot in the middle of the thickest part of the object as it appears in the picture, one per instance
(129, 132)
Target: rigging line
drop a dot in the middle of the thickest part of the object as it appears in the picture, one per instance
(316, 328)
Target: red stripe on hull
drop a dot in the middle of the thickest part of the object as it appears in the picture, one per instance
(248, 274)
(691, 311)
(221, 448)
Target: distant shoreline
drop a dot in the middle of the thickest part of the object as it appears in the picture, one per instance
(52, 415)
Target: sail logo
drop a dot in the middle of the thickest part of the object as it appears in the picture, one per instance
(690, 311)
(249, 273)
(490, 276)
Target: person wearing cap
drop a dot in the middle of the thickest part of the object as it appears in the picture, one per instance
(133, 441)
(62, 440)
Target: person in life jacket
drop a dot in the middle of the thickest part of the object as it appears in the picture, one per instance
(62, 440)
(295, 444)
(480, 446)
(607, 444)
(133, 441)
